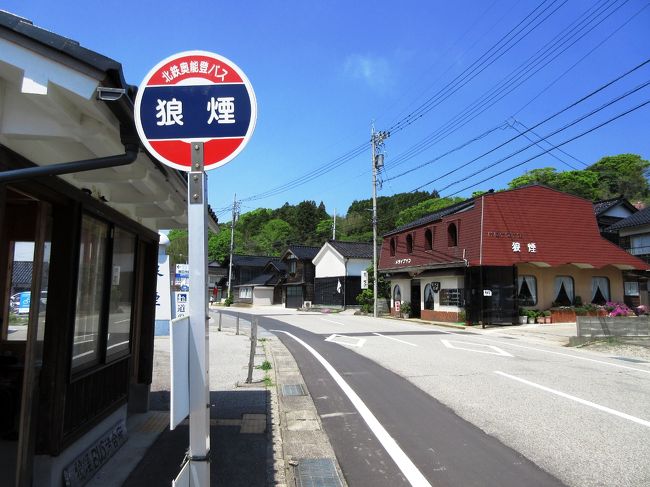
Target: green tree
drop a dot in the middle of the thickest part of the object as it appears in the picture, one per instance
(273, 237)
(219, 244)
(624, 174)
(366, 297)
(542, 175)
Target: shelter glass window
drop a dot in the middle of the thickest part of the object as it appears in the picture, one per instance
(527, 290)
(90, 291)
(121, 299)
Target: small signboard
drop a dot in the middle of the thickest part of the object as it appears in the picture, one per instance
(487, 292)
(364, 279)
(163, 291)
(181, 304)
(398, 306)
(195, 96)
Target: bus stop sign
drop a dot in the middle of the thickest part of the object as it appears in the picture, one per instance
(195, 96)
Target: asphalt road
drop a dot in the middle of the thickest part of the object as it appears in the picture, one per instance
(468, 408)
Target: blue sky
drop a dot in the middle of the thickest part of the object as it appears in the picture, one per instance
(324, 70)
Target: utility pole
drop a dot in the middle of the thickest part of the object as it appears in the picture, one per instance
(376, 144)
(334, 226)
(235, 213)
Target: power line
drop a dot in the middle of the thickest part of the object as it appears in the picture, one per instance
(555, 132)
(568, 107)
(560, 150)
(488, 99)
(472, 71)
(620, 115)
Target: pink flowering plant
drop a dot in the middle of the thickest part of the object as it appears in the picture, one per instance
(618, 309)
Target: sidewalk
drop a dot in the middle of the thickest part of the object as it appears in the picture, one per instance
(259, 435)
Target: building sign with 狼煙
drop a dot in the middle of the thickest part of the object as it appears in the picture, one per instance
(191, 97)
(530, 246)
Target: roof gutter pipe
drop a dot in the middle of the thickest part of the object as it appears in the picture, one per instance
(130, 155)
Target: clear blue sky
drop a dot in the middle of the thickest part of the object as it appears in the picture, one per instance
(324, 70)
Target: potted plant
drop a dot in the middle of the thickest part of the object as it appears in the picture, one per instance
(547, 316)
(532, 314)
(406, 309)
(523, 316)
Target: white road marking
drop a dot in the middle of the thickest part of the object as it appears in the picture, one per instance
(404, 463)
(577, 399)
(620, 366)
(396, 339)
(346, 340)
(332, 321)
(493, 350)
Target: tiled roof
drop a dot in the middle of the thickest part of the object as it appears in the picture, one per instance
(262, 280)
(251, 260)
(304, 252)
(601, 207)
(639, 218)
(22, 273)
(359, 250)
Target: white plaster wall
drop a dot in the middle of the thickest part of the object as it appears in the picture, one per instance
(405, 288)
(330, 265)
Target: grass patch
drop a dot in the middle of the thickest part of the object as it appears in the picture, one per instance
(266, 365)
(268, 382)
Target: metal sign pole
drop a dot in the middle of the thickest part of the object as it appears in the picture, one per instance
(198, 306)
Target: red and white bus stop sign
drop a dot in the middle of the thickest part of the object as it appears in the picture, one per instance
(190, 97)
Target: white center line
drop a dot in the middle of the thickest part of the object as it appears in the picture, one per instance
(577, 399)
(404, 463)
(396, 339)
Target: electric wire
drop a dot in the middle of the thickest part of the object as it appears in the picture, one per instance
(555, 132)
(555, 146)
(481, 103)
(473, 70)
(554, 115)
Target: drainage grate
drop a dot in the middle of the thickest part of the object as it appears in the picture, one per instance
(633, 360)
(293, 390)
(317, 472)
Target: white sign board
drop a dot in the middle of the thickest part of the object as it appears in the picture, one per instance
(181, 305)
(364, 279)
(487, 292)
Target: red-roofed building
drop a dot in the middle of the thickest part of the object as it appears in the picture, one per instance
(532, 246)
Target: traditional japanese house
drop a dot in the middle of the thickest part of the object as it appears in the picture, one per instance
(487, 256)
(81, 198)
(338, 268)
(299, 283)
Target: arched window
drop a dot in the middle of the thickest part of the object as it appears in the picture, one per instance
(452, 235)
(527, 290)
(564, 290)
(599, 290)
(397, 293)
(428, 239)
(392, 247)
(409, 243)
(428, 296)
